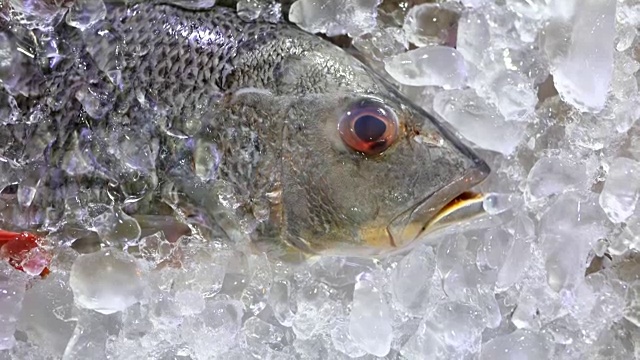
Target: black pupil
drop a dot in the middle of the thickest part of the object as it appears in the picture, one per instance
(369, 128)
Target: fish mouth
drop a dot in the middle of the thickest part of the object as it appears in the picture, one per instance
(451, 205)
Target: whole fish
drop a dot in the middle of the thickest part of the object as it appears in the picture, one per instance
(274, 134)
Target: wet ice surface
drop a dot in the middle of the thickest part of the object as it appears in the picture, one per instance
(554, 272)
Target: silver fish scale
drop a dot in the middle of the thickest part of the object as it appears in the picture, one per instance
(172, 65)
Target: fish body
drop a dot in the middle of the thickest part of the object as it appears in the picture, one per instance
(272, 133)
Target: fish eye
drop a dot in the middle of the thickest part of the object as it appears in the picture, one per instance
(368, 127)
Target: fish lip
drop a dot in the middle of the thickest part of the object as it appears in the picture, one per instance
(434, 204)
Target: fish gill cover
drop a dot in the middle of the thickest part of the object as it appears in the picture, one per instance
(545, 90)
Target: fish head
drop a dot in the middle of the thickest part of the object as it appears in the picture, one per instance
(365, 171)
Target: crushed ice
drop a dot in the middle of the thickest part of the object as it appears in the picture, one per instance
(545, 89)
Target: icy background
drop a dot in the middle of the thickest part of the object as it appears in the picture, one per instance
(547, 90)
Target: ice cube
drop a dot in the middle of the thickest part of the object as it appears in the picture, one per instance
(370, 319)
(473, 3)
(457, 326)
(262, 336)
(514, 95)
(621, 189)
(632, 310)
(280, 302)
(96, 101)
(568, 231)
(625, 39)
(555, 175)
(335, 17)
(254, 295)
(84, 13)
(223, 320)
(47, 313)
(190, 4)
(430, 24)
(494, 203)
(412, 279)
(90, 336)
(478, 121)
(520, 344)
(190, 302)
(518, 254)
(343, 342)
(206, 160)
(12, 288)
(429, 66)
(106, 281)
(35, 261)
(313, 308)
(250, 10)
(116, 228)
(473, 35)
(581, 53)
(493, 248)
(381, 43)
(26, 193)
(36, 14)
(534, 9)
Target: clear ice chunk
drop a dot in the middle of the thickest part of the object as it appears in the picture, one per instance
(343, 342)
(84, 13)
(479, 121)
(451, 330)
(534, 9)
(47, 313)
(97, 102)
(370, 318)
(106, 281)
(280, 302)
(580, 50)
(621, 190)
(90, 335)
(518, 254)
(116, 228)
(474, 3)
(382, 43)
(632, 310)
(190, 302)
(495, 203)
(35, 261)
(472, 36)
(335, 17)
(568, 230)
(250, 10)
(12, 289)
(514, 95)
(190, 4)
(429, 66)
(430, 24)
(520, 344)
(555, 175)
(36, 14)
(262, 337)
(412, 279)
(206, 160)
(223, 320)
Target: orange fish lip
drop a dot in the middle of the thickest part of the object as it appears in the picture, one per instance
(459, 203)
(424, 219)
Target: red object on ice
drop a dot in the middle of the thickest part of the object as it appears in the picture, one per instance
(15, 247)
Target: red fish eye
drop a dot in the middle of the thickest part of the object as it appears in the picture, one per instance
(368, 127)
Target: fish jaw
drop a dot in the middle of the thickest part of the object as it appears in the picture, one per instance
(449, 206)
